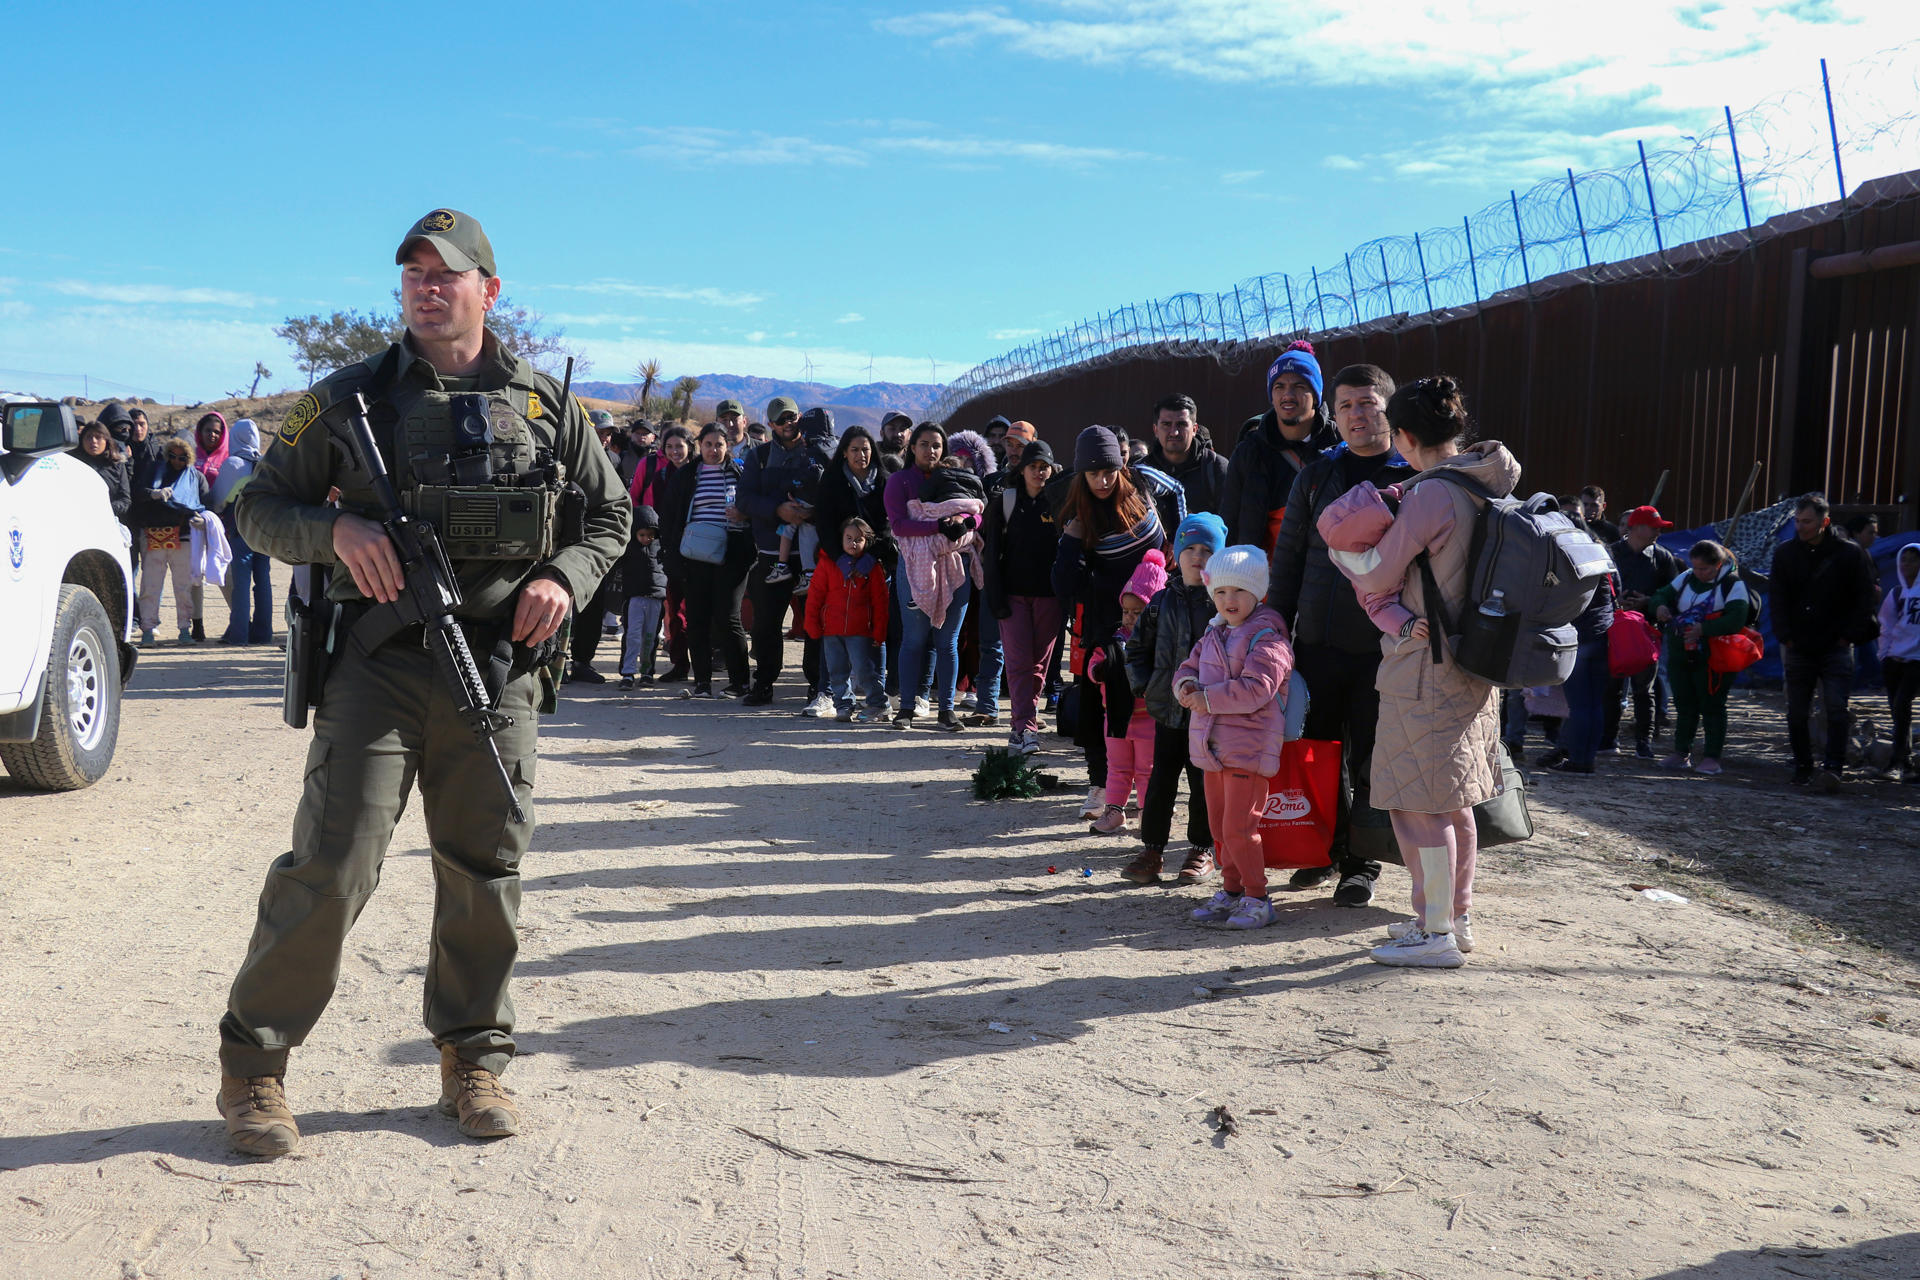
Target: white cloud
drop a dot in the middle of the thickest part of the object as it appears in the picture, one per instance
(696, 145)
(1237, 177)
(1006, 149)
(1501, 56)
(757, 336)
(669, 293)
(1344, 164)
(1013, 335)
(852, 317)
(140, 349)
(143, 294)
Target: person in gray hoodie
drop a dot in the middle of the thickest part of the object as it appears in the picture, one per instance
(251, 576)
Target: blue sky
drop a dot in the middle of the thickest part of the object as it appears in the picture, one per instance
(743, 188)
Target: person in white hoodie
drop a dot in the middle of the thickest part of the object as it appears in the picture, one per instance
(251, 620)
(1900, 655)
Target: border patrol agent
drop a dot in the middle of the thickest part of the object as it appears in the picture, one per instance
(483, 447)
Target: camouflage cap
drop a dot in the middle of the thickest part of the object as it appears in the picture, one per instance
(729, 406)
(456, 235)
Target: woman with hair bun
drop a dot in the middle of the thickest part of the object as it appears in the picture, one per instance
(1436, 755)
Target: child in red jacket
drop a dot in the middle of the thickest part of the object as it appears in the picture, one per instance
(847, 613)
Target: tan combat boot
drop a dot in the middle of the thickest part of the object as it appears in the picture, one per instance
(475, 1096)
(258, 1120)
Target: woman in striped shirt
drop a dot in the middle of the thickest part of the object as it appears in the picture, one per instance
(699, 512)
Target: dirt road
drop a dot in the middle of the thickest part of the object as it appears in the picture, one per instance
(794, 1005)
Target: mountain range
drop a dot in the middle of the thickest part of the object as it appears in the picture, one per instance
(862, 404)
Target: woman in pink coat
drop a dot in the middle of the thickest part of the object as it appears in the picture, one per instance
(1436, 754)
(1230, 683)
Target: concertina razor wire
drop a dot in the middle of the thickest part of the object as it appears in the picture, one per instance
(1672, 210)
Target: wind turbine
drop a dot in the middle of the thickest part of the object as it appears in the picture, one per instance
(806, 368)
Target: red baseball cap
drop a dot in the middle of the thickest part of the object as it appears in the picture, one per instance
(1649, 516)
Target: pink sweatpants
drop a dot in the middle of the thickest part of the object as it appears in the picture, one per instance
(1438, 846)
(1130, 760)
(1234, 801)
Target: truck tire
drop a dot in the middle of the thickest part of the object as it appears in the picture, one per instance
(80, 715)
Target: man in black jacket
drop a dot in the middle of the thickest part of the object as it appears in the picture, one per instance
(1822, 595)
(1275, 447)
(769, 480)
(1336, 647)
(1182, 449)
(1644, 567)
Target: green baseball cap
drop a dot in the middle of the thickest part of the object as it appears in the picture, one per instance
(456, 235)
(779, 405)
(727, 407)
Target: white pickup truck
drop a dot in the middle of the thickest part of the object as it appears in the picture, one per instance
(66, 604)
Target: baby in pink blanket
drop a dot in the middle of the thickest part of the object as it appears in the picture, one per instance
(1353, 525)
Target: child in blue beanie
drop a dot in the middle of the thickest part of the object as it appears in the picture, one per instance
(1173, 621)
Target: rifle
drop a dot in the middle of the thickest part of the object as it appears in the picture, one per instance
(430, 595)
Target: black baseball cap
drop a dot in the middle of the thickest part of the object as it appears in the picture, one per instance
(456, 235)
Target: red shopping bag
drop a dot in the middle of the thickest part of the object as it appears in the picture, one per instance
(1632, 644)
(1296, 827)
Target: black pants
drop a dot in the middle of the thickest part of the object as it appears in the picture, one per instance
(1170, 759)
(1903, 685)
(1090, 728)
(1642, 707)
(770, 602)
(1345, 708)
(713, 594)
(1832, 670)
(587, 627)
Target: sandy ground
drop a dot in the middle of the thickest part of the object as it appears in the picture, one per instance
(795, 1006)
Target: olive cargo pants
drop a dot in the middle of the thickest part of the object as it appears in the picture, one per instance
(384, 723)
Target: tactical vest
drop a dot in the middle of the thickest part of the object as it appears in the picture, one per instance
(475, 467)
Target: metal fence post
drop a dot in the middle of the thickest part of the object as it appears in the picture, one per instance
(1353, 291)
(1293, 317)
(1421, 253)
(1833, 131)
(1579, 219)
(1266, 312)
(1244, 334)
(1525, 273)
(1318, 297)
(1472, 268)
(1385, 278)
(1739, 177)
(1646, 175)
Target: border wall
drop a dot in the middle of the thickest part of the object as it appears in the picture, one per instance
(1793, 345)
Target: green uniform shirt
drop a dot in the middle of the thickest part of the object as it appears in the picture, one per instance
(283, 510)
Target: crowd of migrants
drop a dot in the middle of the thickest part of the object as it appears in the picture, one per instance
(1152, 596)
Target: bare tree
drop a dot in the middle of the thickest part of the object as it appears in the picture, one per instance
(260, 371)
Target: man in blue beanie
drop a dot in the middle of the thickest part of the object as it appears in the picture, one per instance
(1171, 624)
(1275, 447)
(1336, 647)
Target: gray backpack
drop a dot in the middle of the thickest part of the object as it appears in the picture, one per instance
(1530, 572)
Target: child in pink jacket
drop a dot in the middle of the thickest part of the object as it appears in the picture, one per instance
(1230, 684)
(1129, 756)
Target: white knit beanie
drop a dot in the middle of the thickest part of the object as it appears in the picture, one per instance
(1242, 566)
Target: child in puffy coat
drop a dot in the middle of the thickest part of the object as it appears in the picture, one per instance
(643, 580)
(1231, 684)
(1129, 752)
(847, 613)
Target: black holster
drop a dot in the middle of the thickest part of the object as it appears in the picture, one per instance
(314, 635)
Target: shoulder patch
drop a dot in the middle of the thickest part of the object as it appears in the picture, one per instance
(299, 418)
(534, 408)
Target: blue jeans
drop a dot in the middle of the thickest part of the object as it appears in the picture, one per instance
(929, 655)
(1586, 702)
(250, 577)
(851, 672)
(986, 683)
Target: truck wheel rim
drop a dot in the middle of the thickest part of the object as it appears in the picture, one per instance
(86, 689)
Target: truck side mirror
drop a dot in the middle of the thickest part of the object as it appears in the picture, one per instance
(32, 430)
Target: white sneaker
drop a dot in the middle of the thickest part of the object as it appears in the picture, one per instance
(922, 708)
(1251, 913)
(1421, 950)
(965, 701)
(1215, 910)
(1033, 741)
(1462, 930)
(1019, 745)
(1096, 804)
(821, 705)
